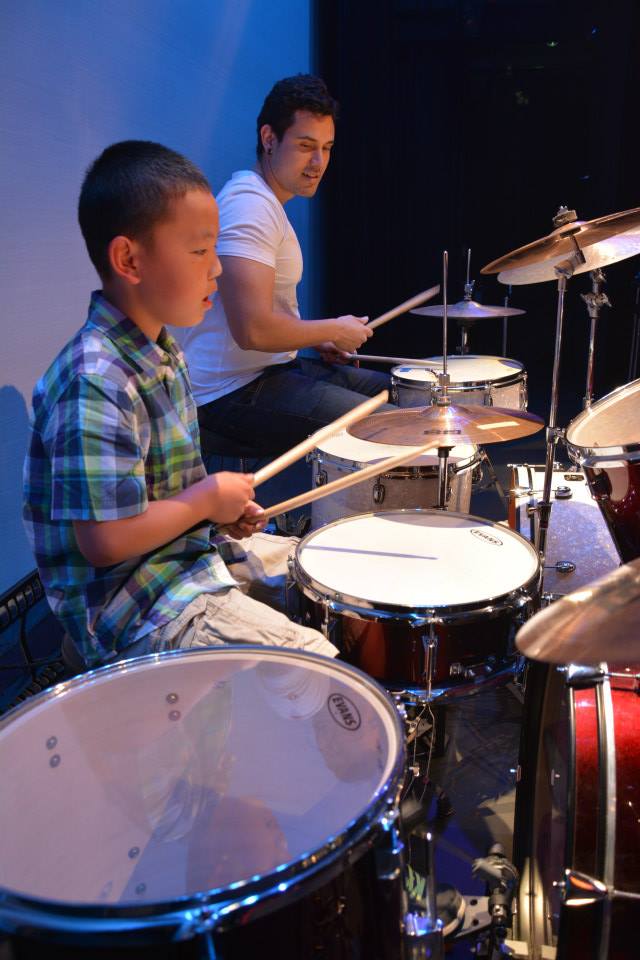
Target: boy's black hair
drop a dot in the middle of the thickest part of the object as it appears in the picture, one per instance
(302, 92)
(127, 191)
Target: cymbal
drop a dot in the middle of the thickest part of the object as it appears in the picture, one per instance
(597, 623)
(602, 241)
(467, 310)
(448, 425)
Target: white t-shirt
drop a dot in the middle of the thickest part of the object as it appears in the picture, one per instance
(253, 225)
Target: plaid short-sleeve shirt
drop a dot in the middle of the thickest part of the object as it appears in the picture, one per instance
(114, 427)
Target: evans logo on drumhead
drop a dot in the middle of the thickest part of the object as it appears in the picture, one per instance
(481, 535)
(344, 711)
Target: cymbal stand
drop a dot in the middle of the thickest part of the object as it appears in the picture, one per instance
(635, 334)
(564, 271)
(465, 325)
(504, 322)
(594, 301)
(443, 380)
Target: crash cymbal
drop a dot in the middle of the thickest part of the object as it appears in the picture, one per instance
(602, 241)
(467, 310)
(448, 425)
(597, 623)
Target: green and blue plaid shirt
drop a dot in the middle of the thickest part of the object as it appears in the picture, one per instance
(114, 426)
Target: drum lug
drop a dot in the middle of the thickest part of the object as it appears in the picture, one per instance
(321, 478)
(524, 393)
(579, 889)
(394, 393)
(488, 396)
(378, 492)
(578, 676)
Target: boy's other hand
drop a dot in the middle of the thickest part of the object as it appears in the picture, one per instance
(229, 495)
(351, 332)
(251, 521)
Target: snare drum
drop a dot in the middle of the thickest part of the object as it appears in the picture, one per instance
(605, 441)
(210, 800)
(426, 601)
(488, 381)
(412, 485)
(577, 838)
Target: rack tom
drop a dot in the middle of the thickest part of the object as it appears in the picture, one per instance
(413, 485)
(475, 379)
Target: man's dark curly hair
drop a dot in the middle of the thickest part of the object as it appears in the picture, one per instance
(302, 92)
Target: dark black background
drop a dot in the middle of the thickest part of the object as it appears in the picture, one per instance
(467, 123)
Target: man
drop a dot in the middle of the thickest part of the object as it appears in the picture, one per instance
(249, 384)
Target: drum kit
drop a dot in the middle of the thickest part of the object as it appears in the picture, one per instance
(228, 799)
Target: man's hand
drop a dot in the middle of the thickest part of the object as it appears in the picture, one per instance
(251, 521)
(330, 353)
(350, 333)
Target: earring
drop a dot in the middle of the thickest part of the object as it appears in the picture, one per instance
(269, 150)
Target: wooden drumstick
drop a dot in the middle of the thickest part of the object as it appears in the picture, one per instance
(403, 307)
(399, 361)
(306, 446)
(349, 481)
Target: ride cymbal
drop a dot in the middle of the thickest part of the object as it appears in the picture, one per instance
(468, 310)
(447, 424)
(602, 241)
(598, 623)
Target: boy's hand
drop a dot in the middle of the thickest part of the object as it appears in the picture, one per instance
(228, 495)
(251, 521)
(330, 353)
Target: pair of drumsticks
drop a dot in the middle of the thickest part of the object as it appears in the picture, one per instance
(353, 416)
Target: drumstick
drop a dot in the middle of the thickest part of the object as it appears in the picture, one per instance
(349, 481)
(393, 360)
(403, 307)
(306, 446)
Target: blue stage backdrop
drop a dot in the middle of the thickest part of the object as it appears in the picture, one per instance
(77, 76)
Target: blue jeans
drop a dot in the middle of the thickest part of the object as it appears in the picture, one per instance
(289, 401)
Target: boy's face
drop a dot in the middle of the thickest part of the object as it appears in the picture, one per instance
(178, 264)
(299, 160)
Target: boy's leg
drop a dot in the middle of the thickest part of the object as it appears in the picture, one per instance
(233, 617)
(260, 565)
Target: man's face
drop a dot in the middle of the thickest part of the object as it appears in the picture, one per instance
(179, 264)
(299, 160)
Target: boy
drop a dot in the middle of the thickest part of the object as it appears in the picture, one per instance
(118, 506)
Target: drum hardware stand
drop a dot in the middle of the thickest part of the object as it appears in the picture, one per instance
(504, 322)
(594, 301)
(564, 271)
(502, 879)
(635, 334)
(493, 476)
(465, 325)
(423, 931)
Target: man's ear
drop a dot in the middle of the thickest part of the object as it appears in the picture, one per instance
(268, 137)
(124, 259)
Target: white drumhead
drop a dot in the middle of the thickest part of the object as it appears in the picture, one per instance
(613, 421)
(345, 447)
(470, 368)
(171, 775)
(417, 559)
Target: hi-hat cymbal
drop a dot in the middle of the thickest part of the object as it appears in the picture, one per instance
(468, 310)
(602, 241)
(597, 623)
(448, 425)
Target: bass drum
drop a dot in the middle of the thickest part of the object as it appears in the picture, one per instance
(577, 824)
(204, 803)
